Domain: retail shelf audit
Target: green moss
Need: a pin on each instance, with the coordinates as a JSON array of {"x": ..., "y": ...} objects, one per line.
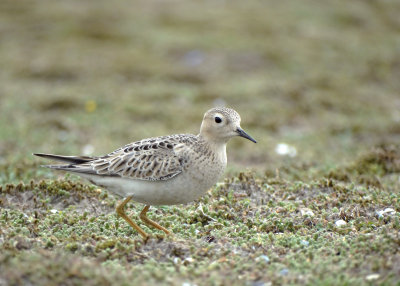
[{"x": 322, "y": 78}]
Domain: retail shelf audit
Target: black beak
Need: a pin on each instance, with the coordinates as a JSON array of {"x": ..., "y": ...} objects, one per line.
[{"x": 243, "y": 134}]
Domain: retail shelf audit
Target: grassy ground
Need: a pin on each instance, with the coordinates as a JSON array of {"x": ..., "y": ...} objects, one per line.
[{"x": 87, "y": 77}]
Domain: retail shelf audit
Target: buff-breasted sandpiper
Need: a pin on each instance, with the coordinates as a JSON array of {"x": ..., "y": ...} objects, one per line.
[{"x": 164, "y": 170}]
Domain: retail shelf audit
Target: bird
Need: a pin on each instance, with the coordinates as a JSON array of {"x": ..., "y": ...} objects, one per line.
[{"x": 165, "y": 170}]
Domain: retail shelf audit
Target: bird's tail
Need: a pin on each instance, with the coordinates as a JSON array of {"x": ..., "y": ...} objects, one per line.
[{"x": 67, "y": 159}]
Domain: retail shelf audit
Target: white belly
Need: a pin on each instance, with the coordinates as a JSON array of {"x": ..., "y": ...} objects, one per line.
[{"x": 178, "y": 190}]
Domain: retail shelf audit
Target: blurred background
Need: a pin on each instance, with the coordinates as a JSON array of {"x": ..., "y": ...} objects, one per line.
[{"x": 316, "y": 82}]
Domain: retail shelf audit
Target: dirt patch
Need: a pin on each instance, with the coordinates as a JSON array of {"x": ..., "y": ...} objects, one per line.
[{"x": 55, "y": 195}]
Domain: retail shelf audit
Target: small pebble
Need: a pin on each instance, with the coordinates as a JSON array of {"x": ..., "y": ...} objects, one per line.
[
  {"x": 306, "y": 211},
  {"x": 285, "y": 150},
  {"x": 372, "y": 277},
  {"x": 304, "y": 242},
  {"x": 340, "y": 222},
  {"x": 176, "y": 260},
  {"x": 187, "y": 261},
  {"x": 387, "y": 211},
  {"x": 265, "y": 258}
]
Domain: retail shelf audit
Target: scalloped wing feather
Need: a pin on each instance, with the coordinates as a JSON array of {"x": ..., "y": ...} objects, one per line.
[{"x": 151, "y": 159}]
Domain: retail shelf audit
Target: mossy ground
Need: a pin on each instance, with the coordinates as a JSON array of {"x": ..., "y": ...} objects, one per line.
[{"x": 322, "y": 77}]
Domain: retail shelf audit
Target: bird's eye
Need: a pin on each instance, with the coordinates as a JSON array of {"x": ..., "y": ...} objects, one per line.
[{"x": 218, "y": 119}]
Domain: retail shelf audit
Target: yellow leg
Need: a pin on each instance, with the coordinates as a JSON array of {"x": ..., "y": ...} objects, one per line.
[
  {"x": 148, "y": 221},
  {"x": 121, "y": 213}
]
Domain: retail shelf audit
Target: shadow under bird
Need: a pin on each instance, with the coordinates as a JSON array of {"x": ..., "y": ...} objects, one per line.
[{"x": 164, "y": 170}]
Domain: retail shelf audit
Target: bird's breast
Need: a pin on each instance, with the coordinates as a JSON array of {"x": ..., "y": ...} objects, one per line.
[{"x": 206, "y": 170}]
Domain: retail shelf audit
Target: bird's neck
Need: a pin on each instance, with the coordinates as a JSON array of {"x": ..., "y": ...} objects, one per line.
[
  {"x": 217, "y": 147},
  {"x": 220, "y": 150}
]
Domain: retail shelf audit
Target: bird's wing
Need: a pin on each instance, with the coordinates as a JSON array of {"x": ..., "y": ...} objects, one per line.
[{"x": 153, "y": 159}]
